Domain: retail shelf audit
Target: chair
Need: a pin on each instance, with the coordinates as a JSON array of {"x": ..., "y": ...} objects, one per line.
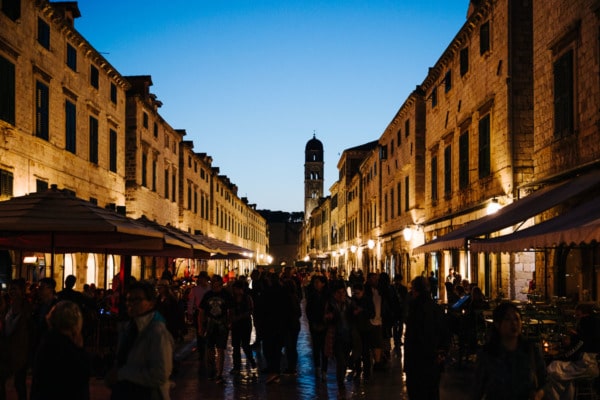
[{"x": 585, "y": 389}]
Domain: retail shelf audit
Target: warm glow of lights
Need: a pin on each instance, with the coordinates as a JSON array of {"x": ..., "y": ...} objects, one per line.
[
  {"x": 493, "y": 207},
  {"x": 306, "y": 258},
  {"x": 30, "y": 260},
  {"x": 371, "y": 243},
  {"x": 353, "y": 248},
  {"x": 407, "y": 233}
]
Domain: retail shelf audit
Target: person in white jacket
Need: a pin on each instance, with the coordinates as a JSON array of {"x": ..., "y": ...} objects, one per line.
[{"x": 144, "y": 359}]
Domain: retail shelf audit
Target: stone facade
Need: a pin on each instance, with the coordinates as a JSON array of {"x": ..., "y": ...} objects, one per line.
[
  {"x": 33, "y": 147},
  {"x": 69, "y": 118},
  {"x": 510, "y": 106}
]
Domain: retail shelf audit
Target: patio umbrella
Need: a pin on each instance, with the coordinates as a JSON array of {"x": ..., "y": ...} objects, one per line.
[
  {"x": 56, "y": 221},
  {"x": 196, "y": 249}
]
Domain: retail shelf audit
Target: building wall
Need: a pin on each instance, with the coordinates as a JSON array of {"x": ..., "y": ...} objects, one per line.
[
  {"x": 561, "y": 27},
  {"x": 151, "y": 139},
  {"x": 125, "y": 110},
  {"x": 30, "y": 158}
]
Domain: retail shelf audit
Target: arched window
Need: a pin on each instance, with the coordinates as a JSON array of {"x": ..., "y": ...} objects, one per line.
[{"x": 91, "y": 269}]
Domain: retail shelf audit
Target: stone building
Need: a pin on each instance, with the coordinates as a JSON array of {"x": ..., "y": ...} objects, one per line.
[
  {"x": 402, "y": 180},
  {"x": 566, "y": 116},
  {"x": 69, "y": 118},
  {"x": 479, "y": 130},
  {"x": 62, "y": 115},
  {"x": 508, "y": 119},
  {"x": 152, "y": 154}
]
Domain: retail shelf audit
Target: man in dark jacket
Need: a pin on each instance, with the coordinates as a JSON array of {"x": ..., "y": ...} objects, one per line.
[{"x": 426, "y": 342}]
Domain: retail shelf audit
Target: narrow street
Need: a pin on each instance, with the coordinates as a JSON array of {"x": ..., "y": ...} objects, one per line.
[{"x": 383, "y": 385}]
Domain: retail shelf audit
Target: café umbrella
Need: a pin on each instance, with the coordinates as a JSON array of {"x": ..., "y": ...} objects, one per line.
[{"x": 55, "y": 221}]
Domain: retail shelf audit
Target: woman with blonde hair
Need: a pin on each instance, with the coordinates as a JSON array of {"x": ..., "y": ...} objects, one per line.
[{"x": 61, "y": 368}]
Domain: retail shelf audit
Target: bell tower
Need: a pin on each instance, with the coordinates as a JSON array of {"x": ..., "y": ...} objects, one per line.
[{"x": 313, "y": 175}]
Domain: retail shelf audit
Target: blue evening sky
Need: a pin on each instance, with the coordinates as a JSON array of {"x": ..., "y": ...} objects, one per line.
[{"x": 250, "y": 81}]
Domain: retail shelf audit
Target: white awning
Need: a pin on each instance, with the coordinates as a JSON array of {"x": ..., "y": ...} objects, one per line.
[
  {"x": 513, "y": 213},
  {"x": 580, "y": 225}
]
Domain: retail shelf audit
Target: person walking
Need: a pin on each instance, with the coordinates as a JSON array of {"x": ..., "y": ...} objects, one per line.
[
  {"x": 292, "y": 315},
  {"x": 426, "y": 342},
  {"x": 372, "y": 290},
  {"x": 196, "y": 294},
  {"x": 317, "y": 296},
  {"x": 168, "y": 306},
  {"x": 400, "y": 293},
  {"x": 361, "y": 312},
  {"x": 241, "y": 326},
  {"x": 338, "y": 316},
  {"x": 214, "y": 319},
  {"x": 144, "y": 359},
  {"x": 272, "y": 303},
  {"x": 61, "y": 368}
]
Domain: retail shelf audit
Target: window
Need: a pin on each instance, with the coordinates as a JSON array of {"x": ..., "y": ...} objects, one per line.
[
  {"x": 563, "y": 95},
  {"x": 93, "y": 140},
  {"x": 7, "y": 88},
  {"x": 464, "y": 61},
  {"x": 12, "y": 9},
  {"x": 407, "y": 128},
  {"x": 145, "y": 120},
  {"x": 434, "y": 99},
  {"x": 383, "y": 152},
  {"x": 463, "y": 160},
  {"x": 71, "y": 57},
  {"x": 145, "y": 169},
  {"x": 166, "y": 183},
  {"x": 448, "y": 81},
  {"x": 154, "y": 173},
  {"x": 41, "y": 110},
  {"x": 6, "y": 183},
  {"x": 484, "y": 147},
  {"x": 434, "y": 179},
  {"x": 70, "y": 127},
  {"x": 398, "y": 137},
  {"x": 41, "y": 186},
  {"x": 406, "y": 195},
  {"x": 189, "y": 195},
  {"x": 173, "y": 186},
  {"x": 43, "y": 34},
  {"x": 155, "y": 130},
  {"x": 448, "y": 171},
  {"x": 385, "y": 207},
  {"x": 112, "y": 150},
  {"x": 113, "y": 93},
  {"x": 399, "y": 191},
  {"x": 392, "y": 202},
  {"x": 484, "y": 38},
  {"x": 94, "y": 76}
]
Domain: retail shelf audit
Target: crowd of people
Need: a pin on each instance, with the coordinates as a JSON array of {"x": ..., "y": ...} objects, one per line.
[{"x": 357, "y": 324}]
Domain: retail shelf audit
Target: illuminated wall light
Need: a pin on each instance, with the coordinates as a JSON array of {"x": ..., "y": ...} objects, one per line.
[{"x": 493, "y": 206}]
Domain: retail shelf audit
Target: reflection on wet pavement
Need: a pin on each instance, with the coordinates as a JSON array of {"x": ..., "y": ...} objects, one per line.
[{"x": 250, "y": 383}]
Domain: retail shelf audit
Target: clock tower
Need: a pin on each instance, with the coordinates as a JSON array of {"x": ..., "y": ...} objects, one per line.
[{"x": 313, "y": 175}]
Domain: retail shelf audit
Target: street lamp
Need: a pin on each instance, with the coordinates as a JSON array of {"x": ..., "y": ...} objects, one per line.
[{"x": 407, "y": 232}]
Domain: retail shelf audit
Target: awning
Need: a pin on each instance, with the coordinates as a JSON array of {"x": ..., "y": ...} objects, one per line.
[
  {"x": 223, "y": 249},
  {"x": 513, "y": 213},
  {"x": 581, "y": 225}
]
